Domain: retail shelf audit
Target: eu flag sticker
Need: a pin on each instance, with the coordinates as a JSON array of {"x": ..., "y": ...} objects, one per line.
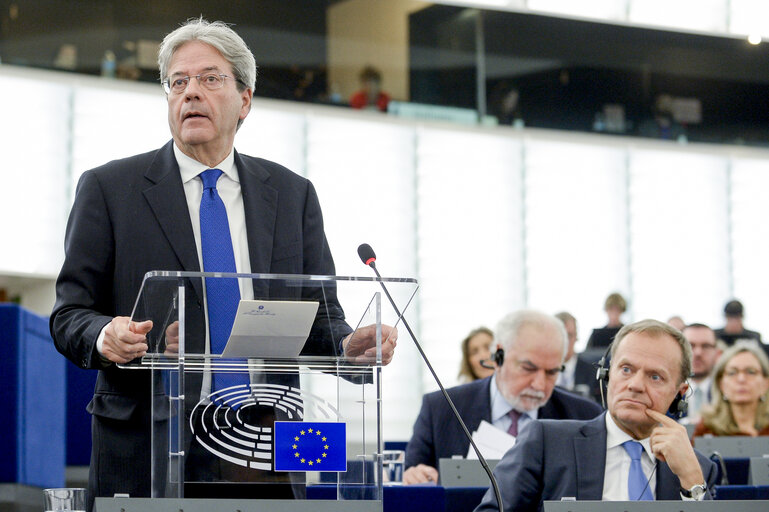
[{"x": 310, "y": 446}]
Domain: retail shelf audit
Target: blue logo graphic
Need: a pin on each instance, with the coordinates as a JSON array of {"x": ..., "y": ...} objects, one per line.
[{"x": 310, "y": 446}]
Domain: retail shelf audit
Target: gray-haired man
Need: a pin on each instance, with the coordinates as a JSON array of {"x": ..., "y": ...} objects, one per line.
[{"x": 141, "y": 213}]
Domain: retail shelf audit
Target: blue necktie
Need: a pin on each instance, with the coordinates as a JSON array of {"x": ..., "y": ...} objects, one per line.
[
  {"x": 637, "y": 486},
  {"x": 223, "y": 294}
]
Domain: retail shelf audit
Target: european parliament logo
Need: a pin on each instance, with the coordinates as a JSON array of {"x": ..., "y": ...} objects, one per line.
[{"x": 310, "y": 446}]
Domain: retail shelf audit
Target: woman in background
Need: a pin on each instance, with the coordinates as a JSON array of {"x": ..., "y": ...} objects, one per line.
[
  {"x": 614, "y": 306},
  {"x": 739, "y": 406},
  {"x": 476, "y": 347}
]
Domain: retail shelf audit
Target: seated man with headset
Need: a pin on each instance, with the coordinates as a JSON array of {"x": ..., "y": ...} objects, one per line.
[
  {"x": 530, "y": 353},
  {"x": 633, "y": 452}
]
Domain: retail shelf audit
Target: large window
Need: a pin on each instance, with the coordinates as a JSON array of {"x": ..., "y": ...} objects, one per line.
[{"x": 654, "y": 68}]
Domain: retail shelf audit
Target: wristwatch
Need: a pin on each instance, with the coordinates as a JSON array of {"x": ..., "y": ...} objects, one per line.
[{"x": 696, "y": 492}]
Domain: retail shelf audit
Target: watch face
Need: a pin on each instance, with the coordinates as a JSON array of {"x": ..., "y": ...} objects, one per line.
[{"x": 697, "y": 492}]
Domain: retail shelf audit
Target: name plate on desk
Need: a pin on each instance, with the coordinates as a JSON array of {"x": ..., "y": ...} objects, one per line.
[
  {"x": 464, "y": 472},
  {"x": 657, "y": 506},
  {"x": 733, "y": 446}
]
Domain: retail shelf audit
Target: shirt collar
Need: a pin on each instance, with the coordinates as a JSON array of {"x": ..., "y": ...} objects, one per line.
[
  {"x": 190, "y": 168},
  {"x": 500, "y": 406},
  {"x": 615, "y": 436}
]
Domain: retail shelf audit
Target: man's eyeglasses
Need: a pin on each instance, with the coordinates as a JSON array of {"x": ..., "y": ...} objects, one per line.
[{"x": 210, "y": 81}]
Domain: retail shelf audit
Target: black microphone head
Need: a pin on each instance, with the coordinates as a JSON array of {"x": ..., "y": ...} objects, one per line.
[{"x": 366, "y": 254}]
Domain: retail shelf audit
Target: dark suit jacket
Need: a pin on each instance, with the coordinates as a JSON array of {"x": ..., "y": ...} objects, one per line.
[
  {"x": 730, "y": 339},
  {"x": 602, "y": 337},
  {"x": 437, "y": 434},
  {"x": 556, "y": 459},
  {"x": 129, "y": 217}
]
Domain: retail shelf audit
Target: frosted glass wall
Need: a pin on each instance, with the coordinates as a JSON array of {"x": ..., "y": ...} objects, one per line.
[{"x": 489, "y": 220}]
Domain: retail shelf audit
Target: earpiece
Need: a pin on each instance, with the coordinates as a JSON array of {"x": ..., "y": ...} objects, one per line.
[
  {"x": 602, "y": 368},
  {"x": 602, "y": 373},
  {"x": 499, "y": 356},
  {"x": 678, "y": 407}
]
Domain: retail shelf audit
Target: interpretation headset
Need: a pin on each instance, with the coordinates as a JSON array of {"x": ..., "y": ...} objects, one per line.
[
  {"x": 497, "y": 357},
  {"x": 678, "y": 407}
]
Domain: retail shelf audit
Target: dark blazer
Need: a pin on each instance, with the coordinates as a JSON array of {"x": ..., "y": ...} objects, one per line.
[
  {"x": 438, "y": 435},
  {"x": 129, "y": 217},
  {"x": 556, "y": 459}
]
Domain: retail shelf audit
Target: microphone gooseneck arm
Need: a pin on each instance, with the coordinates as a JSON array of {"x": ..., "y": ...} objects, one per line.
[{"x": 368, "y": 257}]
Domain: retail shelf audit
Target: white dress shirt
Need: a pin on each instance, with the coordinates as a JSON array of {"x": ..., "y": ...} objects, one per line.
[
  {"x": 618, "y": 463},
  {"x": 228, "y": 187},
  {"x": 500, "y": 408}
]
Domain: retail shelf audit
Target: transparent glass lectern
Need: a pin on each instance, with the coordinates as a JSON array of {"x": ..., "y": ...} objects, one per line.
[{"x": 294, "y": 418}]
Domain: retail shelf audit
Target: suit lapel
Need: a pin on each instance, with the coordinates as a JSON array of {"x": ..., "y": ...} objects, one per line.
[
  {"x": 480, "y": 407},
  {"x": 168, "y": 202},
  {"x": 260, "y": 202},
  {"x": 591, "y": 442}
]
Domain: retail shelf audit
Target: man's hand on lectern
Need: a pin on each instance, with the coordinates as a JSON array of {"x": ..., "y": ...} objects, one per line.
[
  {"x": 360, "y": 346},
  {"x": 125, "y": 340}
]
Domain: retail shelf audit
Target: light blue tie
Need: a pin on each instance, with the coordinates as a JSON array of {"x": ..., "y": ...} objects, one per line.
[
  {"x": 637, "y": 486},
  {"x": 223, "y": 294}
]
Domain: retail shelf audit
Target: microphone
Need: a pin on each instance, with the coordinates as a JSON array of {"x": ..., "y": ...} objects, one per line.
[
  {"x": 485, "y": 364},
  {"x": 368, "y": 257}
]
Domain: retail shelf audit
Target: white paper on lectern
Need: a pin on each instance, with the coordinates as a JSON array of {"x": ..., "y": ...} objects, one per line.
[
  {"x": 270, "y": 328},
  {"x": 491, "y": 441}
]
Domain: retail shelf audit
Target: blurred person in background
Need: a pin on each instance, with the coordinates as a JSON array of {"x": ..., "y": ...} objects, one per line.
[
  {"x": 370, "y": 96},
  {"x": 614, "y": 306},
  {"x": 705, "y": 354},
  {"x": 566, "y": 378},
  {"x": 677, "y": 322},
  {"x": 734, "y": 329},
  {"x": 476, "y": 349},
  {"x": 740, "y": 384}
]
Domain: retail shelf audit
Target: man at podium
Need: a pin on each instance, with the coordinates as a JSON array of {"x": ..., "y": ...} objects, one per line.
[
  {"x": 195, "y": 204},
  {"x": 632, "y": 452}
]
